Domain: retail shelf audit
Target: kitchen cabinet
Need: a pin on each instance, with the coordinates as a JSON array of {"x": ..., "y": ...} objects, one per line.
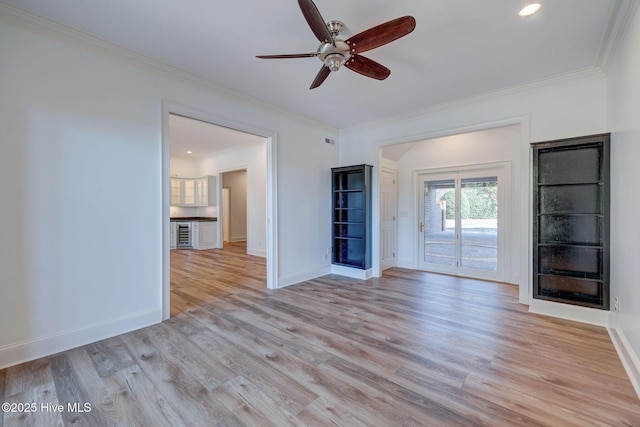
[
  {"x": 176, "y": 191},
  {"x": 571, "y": 221},
  {"x": 193, "y": 192},
  {"x": 351, "y": 220},
  {"x": 203, "y": 234}
]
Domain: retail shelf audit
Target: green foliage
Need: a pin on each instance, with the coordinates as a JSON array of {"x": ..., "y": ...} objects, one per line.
[{"x": 478, "y": 201}]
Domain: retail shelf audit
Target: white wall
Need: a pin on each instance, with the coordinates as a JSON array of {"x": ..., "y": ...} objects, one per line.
[
  {"x": 624, "y": 122},
  {"x": 253, "y": 159},
  {"x": 558, "y": 109},
  {"x": 488, "y": 146},
  {"x": 183, "y": 167},
  {"x": 81, "y": 229}
]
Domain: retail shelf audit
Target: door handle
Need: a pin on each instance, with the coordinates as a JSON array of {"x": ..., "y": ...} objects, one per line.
[{"x": 421, "y": 227}]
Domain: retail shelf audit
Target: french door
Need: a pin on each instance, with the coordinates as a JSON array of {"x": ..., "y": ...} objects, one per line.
[{"x": 461, "y": 223}]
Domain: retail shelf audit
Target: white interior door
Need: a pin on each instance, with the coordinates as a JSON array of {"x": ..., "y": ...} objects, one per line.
[
  {"x": 461, "y": 223},
  {"x": 388, "y": 213}
]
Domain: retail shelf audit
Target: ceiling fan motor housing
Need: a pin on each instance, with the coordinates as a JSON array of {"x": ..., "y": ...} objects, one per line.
[{"x": 334, "y": 56}]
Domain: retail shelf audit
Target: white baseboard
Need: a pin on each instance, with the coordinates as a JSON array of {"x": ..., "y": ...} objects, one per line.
[
  {"x": 628, "y": 357},
  {"x": 301, "y": 277},
  {"x": 25, "y": 351},
  {"x": 257, "y": 252},
  {"x": 406, "y": 263},
  {"x": 205, "y": 247},
  {"x": 576, "y": 313},
  {"x": 354, "y": 273}
]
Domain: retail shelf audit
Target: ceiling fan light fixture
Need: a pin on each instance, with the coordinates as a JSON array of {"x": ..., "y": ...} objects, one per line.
[
  {"x": 334, "y": 61},
  {"x": 530, "y": 9}
]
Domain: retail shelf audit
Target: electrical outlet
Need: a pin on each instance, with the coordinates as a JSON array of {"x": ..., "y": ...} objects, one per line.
[{"x": 616, "y": 305}]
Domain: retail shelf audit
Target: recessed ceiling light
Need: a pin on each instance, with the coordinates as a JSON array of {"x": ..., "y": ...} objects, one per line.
[
  {"x": 189, "y": 152},
  {"x": 530, "y": 9}
]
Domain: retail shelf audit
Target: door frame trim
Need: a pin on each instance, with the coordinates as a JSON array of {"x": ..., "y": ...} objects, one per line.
[{"x": 271, "y": 183}]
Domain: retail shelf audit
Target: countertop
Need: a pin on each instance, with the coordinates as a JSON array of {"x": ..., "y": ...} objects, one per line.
[{"x": 193, "y": 218}]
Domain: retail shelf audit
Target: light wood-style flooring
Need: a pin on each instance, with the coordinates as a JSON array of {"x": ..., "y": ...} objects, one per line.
[{"x": 408, "y": 349}]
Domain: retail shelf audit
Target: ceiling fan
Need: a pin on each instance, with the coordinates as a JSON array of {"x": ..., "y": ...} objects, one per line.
[{"x": 335, "y": 52}]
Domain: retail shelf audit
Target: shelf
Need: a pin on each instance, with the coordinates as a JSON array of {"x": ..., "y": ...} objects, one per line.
[
  {"x": 571, "y": 274},
  {"x": 557, "y": 157},
  {"x": 582, "y": 230},
  {"x": 564, "y": 284},
  {"x": 569, "y": 184},
  {"x": 564, "y": 214},
  {"x": 574, "y": 298},
  {"x": 570, "y": 245},
  {"x": 577, "y": 198}
]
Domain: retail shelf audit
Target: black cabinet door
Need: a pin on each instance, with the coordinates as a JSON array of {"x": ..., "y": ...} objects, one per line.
[{"x": 571, "y": 221}]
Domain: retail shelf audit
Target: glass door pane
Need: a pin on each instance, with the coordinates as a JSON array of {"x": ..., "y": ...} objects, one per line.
[
  {"x": 479, "y": 223},
  {"x": 176, "y": 191},
  {"x": 189, "y": 192},
  {"x": 438, "y": 224}
]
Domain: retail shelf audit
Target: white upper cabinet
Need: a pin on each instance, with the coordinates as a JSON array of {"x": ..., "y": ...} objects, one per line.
[
  {"x": 189, "y": 192},
  {"x": 193, "y": 192},
  {"x": 176, "y": 191}
]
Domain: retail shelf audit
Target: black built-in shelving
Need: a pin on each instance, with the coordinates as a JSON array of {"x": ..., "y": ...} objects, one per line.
[
  {"x": 351, "y": 207},
  {"x": 571, "y": 221}
]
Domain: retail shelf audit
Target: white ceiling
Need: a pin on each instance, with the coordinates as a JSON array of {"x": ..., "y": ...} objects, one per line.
[
  {"x": 459, "y": 49},
  {"x": 195, "y": 139}
]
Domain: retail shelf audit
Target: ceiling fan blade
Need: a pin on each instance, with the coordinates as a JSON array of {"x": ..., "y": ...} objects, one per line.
[
  {"x": 367, "y": 67},
  {"x": 288, "y": 55},
  {"x": 315, "y": 21},
  {"x": 381, "y": 34},
  {"x": 320, "y": 77}
]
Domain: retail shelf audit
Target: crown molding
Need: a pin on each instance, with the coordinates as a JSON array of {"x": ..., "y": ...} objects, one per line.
[
  {"x": 43, "y": 23},
  {"x": 561, "y": 80},
  {"x": 621, "y": 16}
]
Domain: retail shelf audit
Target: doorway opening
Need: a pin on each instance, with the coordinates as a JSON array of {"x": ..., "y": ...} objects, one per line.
[
  {"x": 194, "y": 145},
  {"x": 492, "y": 145},
  {"x": 234, "y": 207}
]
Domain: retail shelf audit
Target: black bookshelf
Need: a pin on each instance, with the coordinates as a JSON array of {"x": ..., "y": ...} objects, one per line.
[
  {"x": 351, "y": 209},
  {"x": 571, "y": 221}
]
